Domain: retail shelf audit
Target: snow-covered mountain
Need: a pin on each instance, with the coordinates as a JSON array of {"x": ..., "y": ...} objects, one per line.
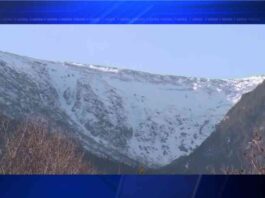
[{"x": 133, "y": 117}]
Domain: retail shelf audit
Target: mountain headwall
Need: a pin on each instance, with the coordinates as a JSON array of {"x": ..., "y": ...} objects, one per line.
[{"x": 133, "y": 117}]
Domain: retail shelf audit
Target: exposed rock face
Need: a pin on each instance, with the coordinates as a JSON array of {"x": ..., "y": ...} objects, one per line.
[
  {"x": 226, "y": 147},
  {"x": 133, "y": 117}
]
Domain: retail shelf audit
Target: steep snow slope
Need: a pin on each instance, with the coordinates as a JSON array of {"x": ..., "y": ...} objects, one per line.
[{"x": 130, "y": 116}]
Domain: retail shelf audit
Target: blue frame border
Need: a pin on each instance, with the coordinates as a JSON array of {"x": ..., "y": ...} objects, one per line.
[{"x": 132, "y": 12}]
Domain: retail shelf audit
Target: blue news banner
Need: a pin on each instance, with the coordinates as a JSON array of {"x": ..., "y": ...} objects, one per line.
[{"x": 132, "y": 12}]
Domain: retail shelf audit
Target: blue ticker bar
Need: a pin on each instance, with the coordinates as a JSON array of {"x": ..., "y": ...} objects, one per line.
[{"x": 132, "y": 12}]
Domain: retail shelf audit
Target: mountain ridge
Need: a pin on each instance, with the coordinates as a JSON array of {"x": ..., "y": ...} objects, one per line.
[
  {"x": 120, "y": 69},
  {"x": 134, "y": 117}
]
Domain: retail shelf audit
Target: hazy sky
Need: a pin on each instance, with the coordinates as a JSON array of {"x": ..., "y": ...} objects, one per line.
[{"x": 214, "y": 51}]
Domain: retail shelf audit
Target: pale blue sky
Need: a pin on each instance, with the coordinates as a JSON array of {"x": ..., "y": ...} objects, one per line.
[{"x": 214, "y": 51}]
